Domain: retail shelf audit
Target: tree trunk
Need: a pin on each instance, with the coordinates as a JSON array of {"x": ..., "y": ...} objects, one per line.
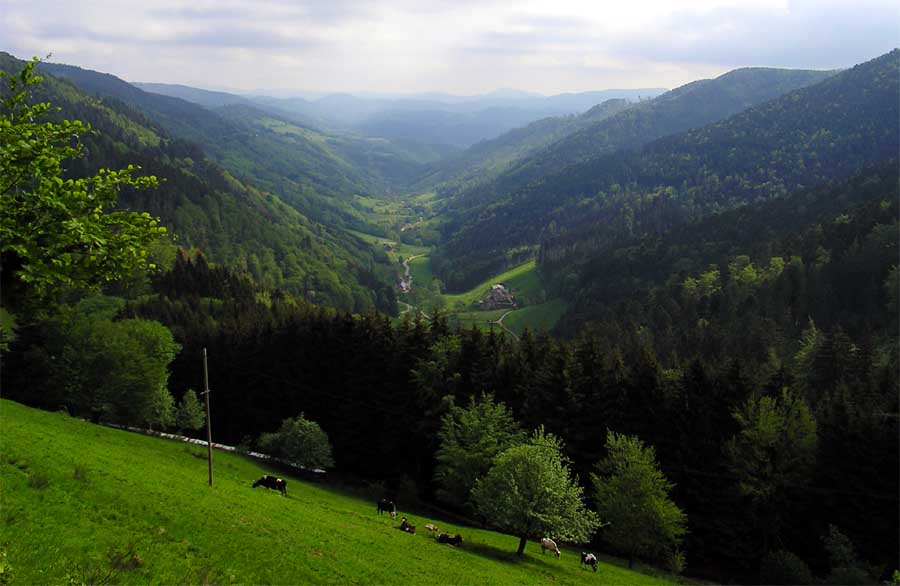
[{"x": 522, "y": 541}]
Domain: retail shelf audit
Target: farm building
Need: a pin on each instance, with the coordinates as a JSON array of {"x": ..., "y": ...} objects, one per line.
[{"x": 498, "y": 297}]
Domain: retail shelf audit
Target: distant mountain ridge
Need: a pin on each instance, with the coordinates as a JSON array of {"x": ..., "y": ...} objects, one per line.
[
  {"x": 690, "y": 106},
  {"x": 804, "y": 137},
  {"x": 484, "y": 161},
  {"x": 429, "y": 118}
]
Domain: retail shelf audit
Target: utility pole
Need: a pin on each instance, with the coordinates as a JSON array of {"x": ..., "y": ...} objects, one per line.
[{"x": 208, "y": 425}]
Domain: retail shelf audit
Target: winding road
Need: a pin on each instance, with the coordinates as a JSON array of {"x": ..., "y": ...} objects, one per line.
[
  {"x": 499, "y": 322},
  {"x": 407, "y": 287}
]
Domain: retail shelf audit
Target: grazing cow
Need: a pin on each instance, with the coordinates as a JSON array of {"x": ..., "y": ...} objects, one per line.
[
  {"x": 547, "y": 543},
  {"x": 405, "y": 526},
  {"x": 431, "y": 527},
  {"x": 272, "y": 482},
  {"x": 589, "y": 559},
  {"x": 455, "y": 541},
  {"x": 389, "y": 506}
]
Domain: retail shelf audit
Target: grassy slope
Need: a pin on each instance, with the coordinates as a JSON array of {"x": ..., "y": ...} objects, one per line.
[
  {"x": 73, "y": 492},
  {"x": 523, "y": 280},
  {"x": 420, "y": 271}
]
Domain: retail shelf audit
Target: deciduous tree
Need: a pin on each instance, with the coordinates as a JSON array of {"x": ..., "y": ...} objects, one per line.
[
  {"x": 470, "y": 440},
  {"x": 530, "y": 492},
  {"x": 632, "y": 494},
  {"x": 56, "y": 231},
  {"x": 190, "y": 414},
  {"x": 299, "y": 441}
]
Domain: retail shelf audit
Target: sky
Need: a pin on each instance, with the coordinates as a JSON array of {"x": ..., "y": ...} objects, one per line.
[{"x": 455, "y": 46}]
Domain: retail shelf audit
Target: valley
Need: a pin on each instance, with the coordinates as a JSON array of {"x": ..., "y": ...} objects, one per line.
[{"x": 657, "y": 325}]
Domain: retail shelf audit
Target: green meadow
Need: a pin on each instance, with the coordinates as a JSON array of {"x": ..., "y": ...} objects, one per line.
[
  {"x": 85, "y": 504},
  {"x": 420, "y": 271},
  {"x": 523, "y": 280},
  {"x": 534, "y": 313}
]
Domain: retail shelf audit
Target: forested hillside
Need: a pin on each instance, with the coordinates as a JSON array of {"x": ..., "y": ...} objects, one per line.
[
  {"x": 207, "y": 208},
  {"x": 483, "y": 161},
  {"x": 803, "y": 138},
  {"x": 380, "y": 389},
  {"x": 312, "y": 172},
  {"x": 693, "y": 105}
]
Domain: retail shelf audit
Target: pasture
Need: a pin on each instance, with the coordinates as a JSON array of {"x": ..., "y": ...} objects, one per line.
[
  {"x": 522, "y": 279},
  {"x": 82, "y": 502}
]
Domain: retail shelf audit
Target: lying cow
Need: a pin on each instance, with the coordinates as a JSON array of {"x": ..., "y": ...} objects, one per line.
[
  {"x": 272, "y": 482},
  {"x": 455, "y": 541},
  {"x": 405, "y": 526},
  {"x": 385, "y": 505},
  {"x": 589, "y": 559},
  {"x": 432, "y": 528},
  {"x": 547, "y": 543}
]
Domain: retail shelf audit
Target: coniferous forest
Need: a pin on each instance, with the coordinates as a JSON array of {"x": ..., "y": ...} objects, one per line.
[{"x": 726, "y": 255}]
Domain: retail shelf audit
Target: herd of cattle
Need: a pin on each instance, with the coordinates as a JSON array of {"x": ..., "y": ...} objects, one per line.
[{"x": 388, "y": 506}]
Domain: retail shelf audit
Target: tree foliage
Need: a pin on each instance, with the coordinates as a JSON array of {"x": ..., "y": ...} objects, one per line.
[
  {"x": 190, "y": 414},
  {"x": 470, "y": 439},
  {"x": 632, "y": 495},
  {"x": 775, "y": 446},
  {"x": 117, "y": 371},
  {"x": 773, "y": 451},
  {"x": 299, "y": 441},
  {"x": 56, "y": 231},
  {"x": 530, "y": 492}
]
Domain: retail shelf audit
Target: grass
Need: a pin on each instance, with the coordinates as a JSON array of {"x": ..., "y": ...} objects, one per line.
[
  {"x": 536, "y": 317},
  {"x": 399, "y": 248},
  {"x": 523, "y": 280},
  {"x": 88, "y": 504},
  {"x": 420, "y": 271}
]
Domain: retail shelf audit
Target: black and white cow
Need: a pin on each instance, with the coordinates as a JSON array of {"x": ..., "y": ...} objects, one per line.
[
  {"x": 455, "y": 541},
  {"x": 272, "y": 482},
  {"x": 385, "y": 505},
  {"x": 589, "y": 559}
]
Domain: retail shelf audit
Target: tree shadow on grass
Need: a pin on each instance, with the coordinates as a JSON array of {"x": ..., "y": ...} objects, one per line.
[{"x": 503, "y": 555}]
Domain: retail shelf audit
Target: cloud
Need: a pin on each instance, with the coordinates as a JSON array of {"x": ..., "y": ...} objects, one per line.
[
  {"x": 818, "y": 34},
  {"x": 462, "y": 46}
]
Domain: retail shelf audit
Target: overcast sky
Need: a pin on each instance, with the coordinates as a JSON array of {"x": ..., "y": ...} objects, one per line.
[{"x": 456, "y": 46}]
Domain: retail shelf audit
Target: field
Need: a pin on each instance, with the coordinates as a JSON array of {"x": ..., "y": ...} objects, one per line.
[
  {"x": 536, "y": 317},
  {"x": 525, "y": 283},
  {"x": 398, "y": 248},
  {"x": 523, "y": 280},
  {"x": 88, "y": 504},
  {"x": 420, "y": 271}
]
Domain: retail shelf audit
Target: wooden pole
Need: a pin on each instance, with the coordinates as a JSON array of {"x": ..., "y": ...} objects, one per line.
[{"x": 208, "y": 424}]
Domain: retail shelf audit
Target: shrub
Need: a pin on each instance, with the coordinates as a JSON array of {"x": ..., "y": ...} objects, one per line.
[
  {"x": 299, "y": 441},
  {"x": 191, "y": 414},
  {"x": 784, "y": 567},
  {"x": 676, "y": 562},
  {"x": 846, "y": 568}
]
